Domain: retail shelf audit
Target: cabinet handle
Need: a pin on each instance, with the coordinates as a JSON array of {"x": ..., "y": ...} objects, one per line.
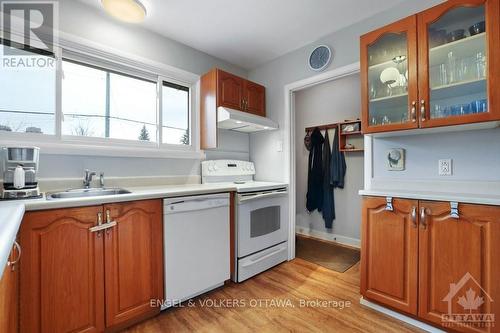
[
  {"x": 422, "y": 109},
  {"x": 108, "y": 221},
  {"x": 13, "y": 263},
  {"x": 100, "y": 226},
  {"x": 414, "y": 216},
  {"x": 413, "y": 111},
  {"x": 454, "y": 210},
  {"x": 99, "y": 223},
  {"x": 423, "y": 217}
]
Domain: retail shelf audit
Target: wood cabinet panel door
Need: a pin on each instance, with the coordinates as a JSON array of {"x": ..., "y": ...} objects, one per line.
[
  {"x": 229, "y": 90},
  {"x": 133, "y": 260},
  {"x": 457, "y": 79},
  {"x": 62, "y": 276},
  {"x": 389, "y": 86},
  {"x": 255, "y": 98},
  {"x": 459, "y": 270},
  {"x": 9, "y": 296},
  {"x": 494, "y": 28},
  {"x": 389, "y": 253}
]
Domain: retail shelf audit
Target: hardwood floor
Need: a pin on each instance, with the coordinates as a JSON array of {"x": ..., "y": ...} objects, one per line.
[{"x": 288, "y": 283}]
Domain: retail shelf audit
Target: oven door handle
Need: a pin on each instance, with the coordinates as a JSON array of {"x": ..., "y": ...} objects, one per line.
[
  {"x": 264, "y": 257},
  {"x": 242, "y": 198}
]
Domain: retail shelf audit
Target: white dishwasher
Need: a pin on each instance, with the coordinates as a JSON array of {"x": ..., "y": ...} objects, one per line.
[{"x": 196, "y": 245}]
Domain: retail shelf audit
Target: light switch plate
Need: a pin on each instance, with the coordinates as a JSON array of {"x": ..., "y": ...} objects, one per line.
[
  {"x": 445, "y": 167},
  {"x": 279, "y": 146}
]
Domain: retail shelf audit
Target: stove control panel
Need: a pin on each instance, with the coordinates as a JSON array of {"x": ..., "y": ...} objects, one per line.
[{"x": 227, "y": 168}]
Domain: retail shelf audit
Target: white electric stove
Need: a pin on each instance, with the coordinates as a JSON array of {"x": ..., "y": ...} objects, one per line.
[{"x": 261, "y": 216}]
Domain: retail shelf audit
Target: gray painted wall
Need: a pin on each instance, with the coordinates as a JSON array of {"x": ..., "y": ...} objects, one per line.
[
  {"x": 293, "y": 67},
  {"x": 94, "y": 25},
  {"x": 475, "y": 154},
  {"x": 233, "y": 145},
  {"x": 322, "y": 104}
]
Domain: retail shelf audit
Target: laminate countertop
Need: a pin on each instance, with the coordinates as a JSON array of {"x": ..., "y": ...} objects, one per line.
[
  {"x": 12, "y": 212},
  {"x": 481, "y": 199},
  {"x": 11, "y": 215}
]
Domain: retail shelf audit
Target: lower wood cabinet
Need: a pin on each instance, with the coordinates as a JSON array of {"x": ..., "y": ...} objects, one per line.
[
  {"x": 459, "y": 263},
  {"x": 450, "y": 259},
  {"x": 77, "y": 278},
  {"x": 9, "y": 294},
  {"x": 389, "y": 253},
  {"x": 133, "y": 261}
]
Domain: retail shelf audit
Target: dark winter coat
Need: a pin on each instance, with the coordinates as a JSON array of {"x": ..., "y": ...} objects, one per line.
[
  {"x": 338, "y": 165},
  {"x": 315, "y": 173},
  {"x": 328, "y": 210}
]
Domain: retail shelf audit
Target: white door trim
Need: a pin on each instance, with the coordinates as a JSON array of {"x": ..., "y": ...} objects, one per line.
[{"x": 290, "y": 139}]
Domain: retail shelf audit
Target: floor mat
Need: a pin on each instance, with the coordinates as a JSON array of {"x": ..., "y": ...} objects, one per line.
[{"x": 327, "y": 254}]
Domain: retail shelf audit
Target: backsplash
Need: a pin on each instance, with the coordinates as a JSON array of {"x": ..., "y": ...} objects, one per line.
[
  {"x": 475, "y": 155},
  {"x": 232, "y": 145}
]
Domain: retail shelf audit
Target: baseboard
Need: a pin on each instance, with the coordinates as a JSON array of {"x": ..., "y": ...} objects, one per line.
[
  {"x": 328, "y": 237},
  {"x": 399, "y": 316}
]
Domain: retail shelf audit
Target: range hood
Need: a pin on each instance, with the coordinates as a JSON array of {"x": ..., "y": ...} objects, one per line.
[{"x": 242, "y": 121}]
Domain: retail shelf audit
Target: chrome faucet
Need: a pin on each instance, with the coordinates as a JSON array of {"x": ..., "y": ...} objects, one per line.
[
  {"x": 87, "y": 178},
  {"x": 101, "y": 179}
]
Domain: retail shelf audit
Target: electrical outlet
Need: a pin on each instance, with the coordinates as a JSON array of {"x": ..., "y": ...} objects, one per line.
[{"x": 445, "y": 167}]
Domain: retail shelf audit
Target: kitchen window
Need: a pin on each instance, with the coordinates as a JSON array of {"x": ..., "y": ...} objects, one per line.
[
  {"x": 95, "y": 102},
  {"x": 175, "y": 114},
  {"x": 27, "y": 91},
  {"x": 101, "y": 103}
]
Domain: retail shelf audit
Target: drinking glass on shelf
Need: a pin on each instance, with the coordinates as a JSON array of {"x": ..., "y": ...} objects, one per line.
[
  {"x": 451, "y": 67},
  {"x": 437, "y": 112},
  {"x": 463, "y": 69},
  {"x": 480, "y": 65},
  {"x": 483, "y": 105},
  {"x": 443, "y": 75},
  {"x": 373, "y": 90}
]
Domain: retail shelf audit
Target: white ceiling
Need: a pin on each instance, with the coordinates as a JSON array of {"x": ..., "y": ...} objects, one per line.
[{"x": 251, "y": 32}]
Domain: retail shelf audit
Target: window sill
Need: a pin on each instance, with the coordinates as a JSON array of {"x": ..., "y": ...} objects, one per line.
[{"x": 83, "y": 149}]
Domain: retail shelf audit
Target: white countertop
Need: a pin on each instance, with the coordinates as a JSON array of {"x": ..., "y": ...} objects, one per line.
[
  {"x": 11, "y": 215},
  {"x": 138, "y": 193},
  {"x": 12, "y": 212},
  {"x": 483, "y": 199}
]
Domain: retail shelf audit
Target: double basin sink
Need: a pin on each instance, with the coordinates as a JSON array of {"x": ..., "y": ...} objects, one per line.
[{"x": 86, "y": 192}]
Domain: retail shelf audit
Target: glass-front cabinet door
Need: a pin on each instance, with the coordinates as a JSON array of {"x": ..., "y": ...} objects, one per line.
[
  {"x": 389, "y": 77},
  {"x": 455, "y": 51}
]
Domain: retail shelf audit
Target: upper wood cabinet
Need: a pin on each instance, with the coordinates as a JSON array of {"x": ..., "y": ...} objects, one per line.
[
  {"x": 389, "y": 55},
  {"x": 77, "y": 278},
  {"x": 458, "y": 263},
  {"x": 219, "y": 88},
  {"x": 437, "y": 68},
  {"x": 133, "y": 260},
  {"x": 390, "y": 234},
  {"x": 450, "y": 256},
  {"x": 229, "y": 90},
  {"x": 255, "y": 98}
]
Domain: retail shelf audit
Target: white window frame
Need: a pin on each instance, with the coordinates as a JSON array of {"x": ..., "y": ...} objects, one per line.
[{"x": 86, "y": 52}]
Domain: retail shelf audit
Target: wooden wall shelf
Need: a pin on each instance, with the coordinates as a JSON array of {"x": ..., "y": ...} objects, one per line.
[{"x": 343, "y": 136}]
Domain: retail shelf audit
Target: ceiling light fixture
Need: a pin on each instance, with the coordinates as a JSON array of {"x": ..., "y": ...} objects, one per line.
[{"x": 132, "y": 11}]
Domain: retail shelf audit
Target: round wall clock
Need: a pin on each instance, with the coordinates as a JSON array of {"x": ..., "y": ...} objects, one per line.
[{"x": 320, "y": 58}]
